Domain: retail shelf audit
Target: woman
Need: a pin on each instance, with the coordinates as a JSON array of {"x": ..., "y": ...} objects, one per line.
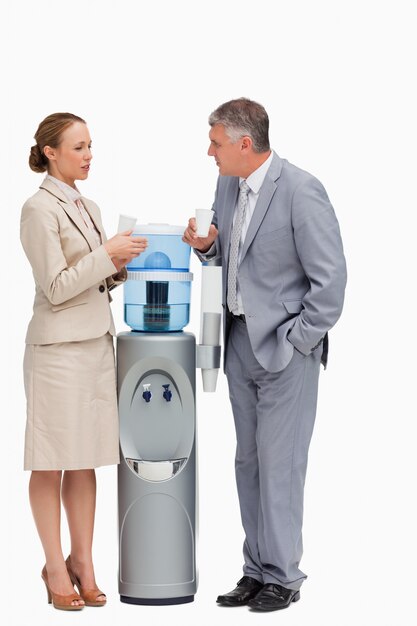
[{"x": 72, "y": 422}]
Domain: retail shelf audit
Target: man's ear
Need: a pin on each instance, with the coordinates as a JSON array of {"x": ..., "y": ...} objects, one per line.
[{"x": 246, "y": 143}]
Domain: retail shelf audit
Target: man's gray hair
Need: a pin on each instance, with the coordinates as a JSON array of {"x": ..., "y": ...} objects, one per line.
[{"x": 243, "y": 117}]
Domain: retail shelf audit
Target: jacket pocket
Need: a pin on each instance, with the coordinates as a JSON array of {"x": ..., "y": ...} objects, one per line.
[
  {"x": 82, "y": 298},
  {"x": 293, "y": 306},
  {"x": 274, "y": 235}
]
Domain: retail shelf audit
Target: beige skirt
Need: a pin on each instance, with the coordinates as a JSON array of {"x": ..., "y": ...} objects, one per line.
[{"x": 72, "y": 420}]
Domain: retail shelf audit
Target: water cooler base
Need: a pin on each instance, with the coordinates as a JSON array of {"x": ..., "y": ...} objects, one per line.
[
  {"x": 157, "y": 472},
  {"x": 157, "y": 601}
]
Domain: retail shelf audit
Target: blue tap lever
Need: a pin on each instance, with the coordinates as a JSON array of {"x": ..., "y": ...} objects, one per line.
[
  {"x": 147, "y": 395},
  {"x": 167, "y": 393}
]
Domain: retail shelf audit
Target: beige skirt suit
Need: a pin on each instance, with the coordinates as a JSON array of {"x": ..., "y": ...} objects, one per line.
[{"x": 69, "y": 367}]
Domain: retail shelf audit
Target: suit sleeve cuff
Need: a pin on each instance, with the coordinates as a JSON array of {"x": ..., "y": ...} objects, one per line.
[
  {"x": 208, "y": 255},
  {"x": 112, "y": 268},
  {"x": 115, "y": 280},
  {"x": 298, "y": 346}
]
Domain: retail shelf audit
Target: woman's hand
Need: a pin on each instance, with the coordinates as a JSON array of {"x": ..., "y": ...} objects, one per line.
[
  {"x": 122, "y": 248},
  {"x": 202, "y": 244},
  {"x": 119, "y": 263}
]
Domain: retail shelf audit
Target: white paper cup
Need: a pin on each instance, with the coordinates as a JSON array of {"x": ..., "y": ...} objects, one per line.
[
  {"x": 203, "y": 219},
  {"x": 126, "y": 223}
]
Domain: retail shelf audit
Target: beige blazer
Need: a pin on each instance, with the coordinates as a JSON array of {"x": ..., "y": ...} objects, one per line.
[{"x": 72, "y": 275}]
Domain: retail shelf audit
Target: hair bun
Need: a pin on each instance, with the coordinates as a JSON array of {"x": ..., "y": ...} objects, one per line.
[{"x": 37, "y": 160}]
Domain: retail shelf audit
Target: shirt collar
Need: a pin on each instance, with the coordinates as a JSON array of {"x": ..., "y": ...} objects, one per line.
[
  {"x": 257, "y": 177},
  {"x": 71, "y": 193}
]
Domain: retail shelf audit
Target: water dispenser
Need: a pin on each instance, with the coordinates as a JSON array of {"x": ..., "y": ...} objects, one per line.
[{"x": 156, "y": 363}]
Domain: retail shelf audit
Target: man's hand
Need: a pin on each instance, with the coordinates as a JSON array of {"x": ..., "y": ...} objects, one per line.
[{"x": 202, "y": 244}]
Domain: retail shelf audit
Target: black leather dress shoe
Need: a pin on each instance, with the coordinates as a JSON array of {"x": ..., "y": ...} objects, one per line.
[
  {"x": 274, "y": 597},
  {"x": 246, "y": 589}
]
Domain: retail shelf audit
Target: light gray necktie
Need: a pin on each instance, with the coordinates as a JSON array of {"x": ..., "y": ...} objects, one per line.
[{"x": 234, "y": 247}]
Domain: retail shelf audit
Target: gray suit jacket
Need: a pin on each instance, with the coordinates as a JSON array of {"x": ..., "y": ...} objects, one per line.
[{"x": 292, "y": 273}]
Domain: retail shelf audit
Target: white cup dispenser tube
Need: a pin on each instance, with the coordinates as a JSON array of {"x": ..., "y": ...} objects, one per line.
[{"x": 208, "y": 351}]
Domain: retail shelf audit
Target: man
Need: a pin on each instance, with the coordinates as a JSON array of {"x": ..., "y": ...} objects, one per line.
[{"x": 284, "y": 277}]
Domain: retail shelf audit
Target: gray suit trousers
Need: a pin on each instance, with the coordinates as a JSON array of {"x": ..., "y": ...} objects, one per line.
[{"x": 274, "y": 416}]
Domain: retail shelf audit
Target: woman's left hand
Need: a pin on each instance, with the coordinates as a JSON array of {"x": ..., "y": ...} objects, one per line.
[{"x": 119, "y": 263}]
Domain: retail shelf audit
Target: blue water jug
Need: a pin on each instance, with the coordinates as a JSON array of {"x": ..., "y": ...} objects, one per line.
[{"x": 158, "y": 287}]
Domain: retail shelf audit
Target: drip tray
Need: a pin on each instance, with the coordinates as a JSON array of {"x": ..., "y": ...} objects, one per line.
[{"x": 156, "y": 470}]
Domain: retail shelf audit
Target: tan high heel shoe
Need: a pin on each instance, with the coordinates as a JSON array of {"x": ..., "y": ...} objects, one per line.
[
  {"x": 64, "y": 603},
  {"x": 90, "y": 596}
]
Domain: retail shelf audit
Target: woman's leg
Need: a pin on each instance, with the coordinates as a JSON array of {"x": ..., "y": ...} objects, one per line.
[
  {"x": 45, "y": 500},
  {"x": 79, "y": 499}
]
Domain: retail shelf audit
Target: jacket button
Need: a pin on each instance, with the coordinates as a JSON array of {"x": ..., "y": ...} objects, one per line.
[{"x": 101, "y": 288}]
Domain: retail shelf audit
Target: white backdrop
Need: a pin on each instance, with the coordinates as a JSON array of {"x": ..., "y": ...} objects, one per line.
[{"x": 336, "y": 79}]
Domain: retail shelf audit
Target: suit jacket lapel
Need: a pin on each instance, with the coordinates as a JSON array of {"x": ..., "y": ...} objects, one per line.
[
  {"x": 265, "y": 196},
  {"x": 72, "y": 211},
  {"x": 95, "y": 216}
]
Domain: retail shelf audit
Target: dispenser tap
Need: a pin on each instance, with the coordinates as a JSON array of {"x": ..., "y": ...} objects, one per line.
[
  {"x": 147, "y": 395},
  {"x": 167, "y": 393}
]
